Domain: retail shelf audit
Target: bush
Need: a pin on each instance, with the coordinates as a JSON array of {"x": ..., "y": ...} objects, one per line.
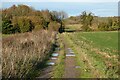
[
  {"x": 7, "y": 28},
  {"x": 22, "y": 52},
  {"x": 115, "y": 27},
  {"x": 103, "y": 26},
  {"x": 38, "y": 22},
  {"x": 25, "y": 24},
  {"x": 110, "y": 25}
]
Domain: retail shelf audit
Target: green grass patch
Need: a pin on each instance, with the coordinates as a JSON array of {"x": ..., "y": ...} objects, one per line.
[{"x": 101, "y": 39}]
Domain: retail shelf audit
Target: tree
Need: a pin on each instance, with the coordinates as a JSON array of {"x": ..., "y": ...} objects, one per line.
[
  {"x": 7, "y": 28},
  {"x": 110, "y": 22},
  {"x": 15, "y": 25},
  {"x": 23, "y": 10},
  {"x": 24, "y": 24},
  {"x": 103, "y": 26},
  {"x": 116, "y": 25},
  {"x": 38, "y": 22},
  {"x": 59, "y": 16},
  {"x": 86, "y": 20},
  {"x": 24, "y": 18},
  {"x": 46, "y": 15},
  {"x": 110, "y": 25}
]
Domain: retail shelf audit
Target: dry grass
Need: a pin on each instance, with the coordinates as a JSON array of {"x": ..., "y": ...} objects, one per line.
[
  {"x": 21, "y": 52},
  {"x": 73, "y": 26}
]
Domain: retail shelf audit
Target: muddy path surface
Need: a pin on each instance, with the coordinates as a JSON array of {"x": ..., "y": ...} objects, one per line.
[
  {"x": 70, "y": 63},
  {"x": 70, "y": 71}
]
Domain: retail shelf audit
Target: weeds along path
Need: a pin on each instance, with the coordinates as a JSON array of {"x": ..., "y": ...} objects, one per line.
[
  {"x": 55, "y": 64},
  {"x": 47, "y": 71},
  {"x": 21, "y": 53},
  {"x": 70, "y": 70}
]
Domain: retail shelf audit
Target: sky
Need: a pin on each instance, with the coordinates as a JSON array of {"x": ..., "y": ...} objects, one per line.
[
  {"x": 99, "y": 8},
  {"x": 59, "y": 0}
]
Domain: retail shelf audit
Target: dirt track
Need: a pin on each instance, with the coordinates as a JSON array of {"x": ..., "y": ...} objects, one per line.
[
  {"x": 70, "y": 71},
  {"x": 70, "y": 63}
]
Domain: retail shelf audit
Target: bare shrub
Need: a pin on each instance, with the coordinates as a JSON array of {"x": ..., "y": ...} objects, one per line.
[{"x": 21, "y": 52}]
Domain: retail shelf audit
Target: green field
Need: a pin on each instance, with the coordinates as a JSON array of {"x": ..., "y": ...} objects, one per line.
[
  {"x": 103, "y": 40},
  {"x": 97, "y": 53}
]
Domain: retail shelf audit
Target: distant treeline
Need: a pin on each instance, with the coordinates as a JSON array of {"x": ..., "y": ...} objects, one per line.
[
  {"x": 22, "y": 18},
  {"x": 91, "y": 22}
]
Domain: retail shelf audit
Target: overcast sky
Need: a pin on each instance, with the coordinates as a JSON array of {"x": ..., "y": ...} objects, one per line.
[{"x": 73, "y": 7}]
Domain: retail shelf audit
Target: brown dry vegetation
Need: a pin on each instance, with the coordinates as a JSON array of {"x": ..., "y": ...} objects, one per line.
[{"x": 22, "y": 52}]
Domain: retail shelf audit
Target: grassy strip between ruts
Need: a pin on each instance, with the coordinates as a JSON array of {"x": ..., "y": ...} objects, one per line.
[
  {"x": 59, "y": 67},
  {"x": 78, "y": 58}
]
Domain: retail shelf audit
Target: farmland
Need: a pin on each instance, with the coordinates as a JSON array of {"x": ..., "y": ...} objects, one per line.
[{"x": 96, "y": 53}]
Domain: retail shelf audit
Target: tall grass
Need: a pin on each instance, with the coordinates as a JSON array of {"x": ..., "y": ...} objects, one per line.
[{"x": 22, "y": 52}]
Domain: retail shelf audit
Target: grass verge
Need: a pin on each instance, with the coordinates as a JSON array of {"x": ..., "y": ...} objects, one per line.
[{"x": 59, "y": 67}]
